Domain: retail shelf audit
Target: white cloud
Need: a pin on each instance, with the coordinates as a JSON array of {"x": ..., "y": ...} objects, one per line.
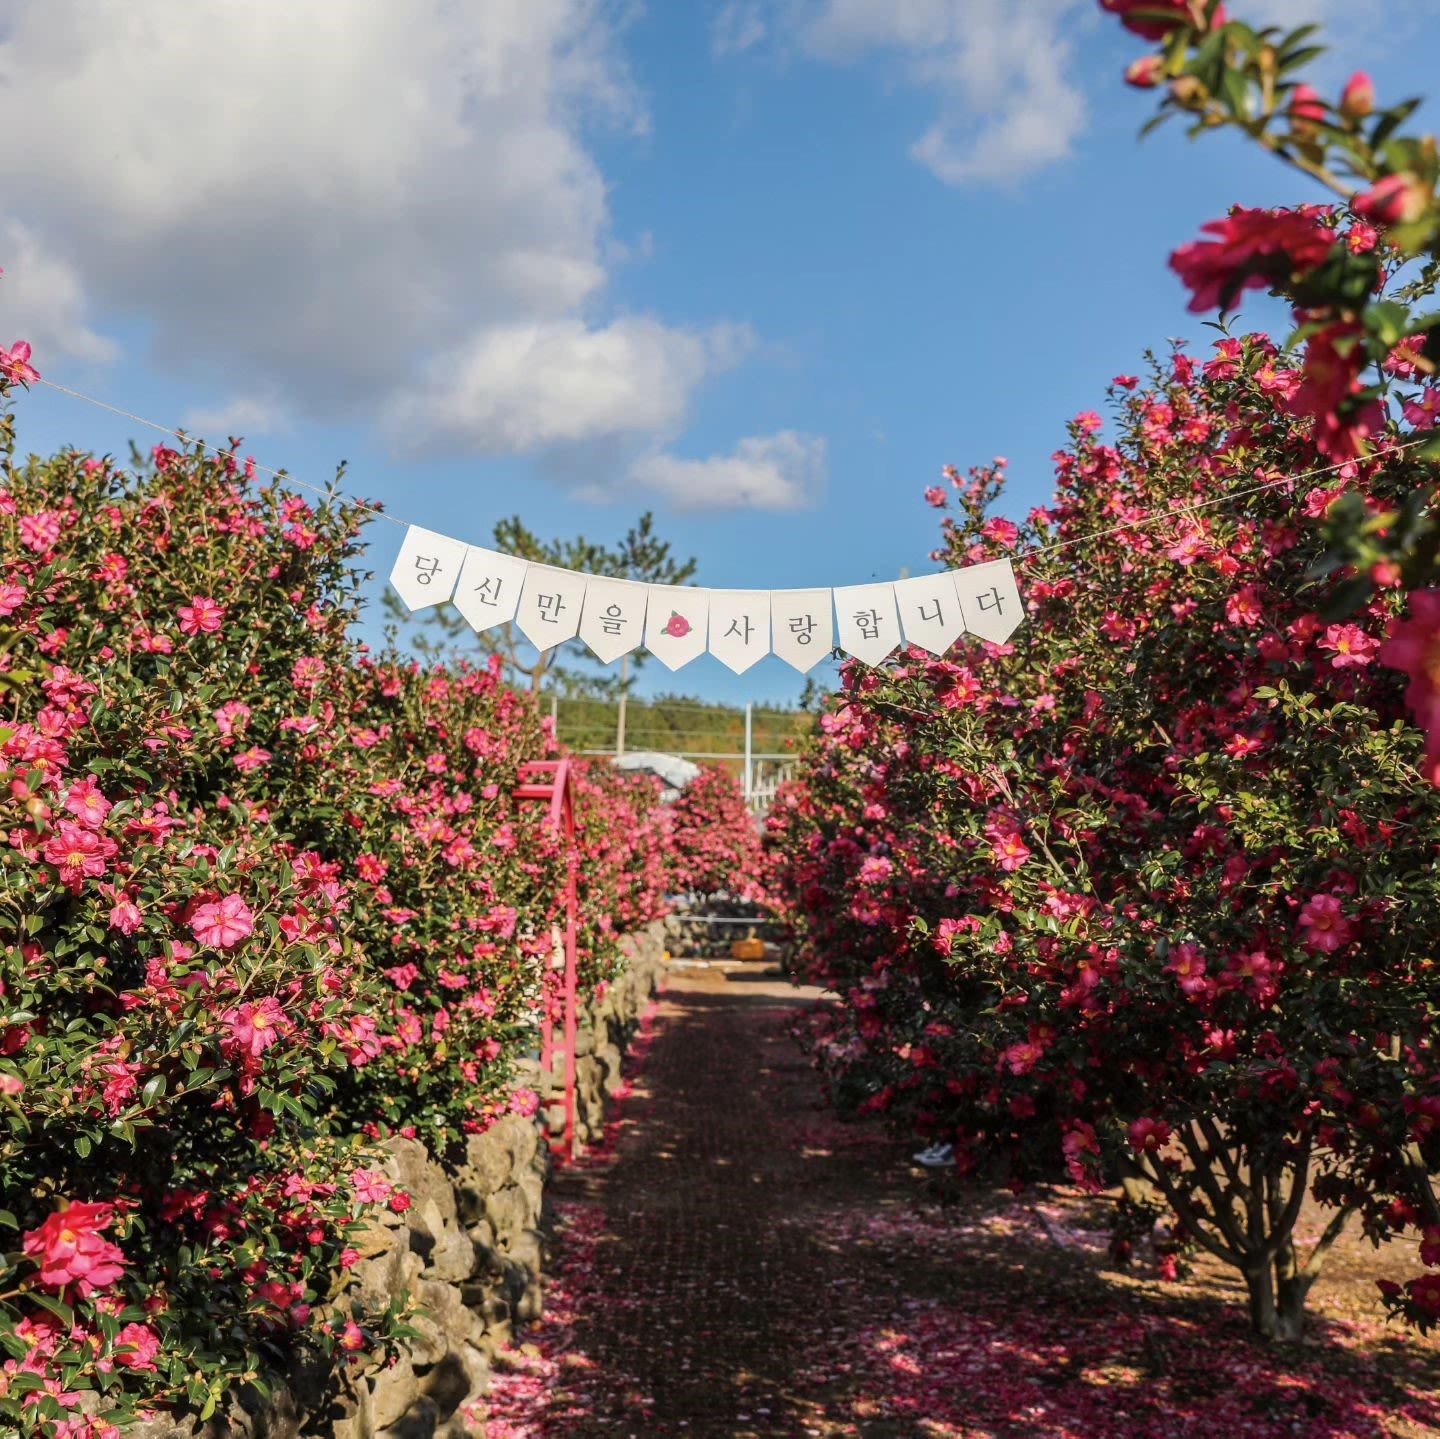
[
  {"x": 739, "y": 25},
  {"x": 43, "y": 302},
  {"x": 997, "y": 70},
  {"x": 362, "y": 208},
  {"x": 245, "y": 416},
  {"x": 558, "y": 382},
  {"x": 783, "y": 471}
]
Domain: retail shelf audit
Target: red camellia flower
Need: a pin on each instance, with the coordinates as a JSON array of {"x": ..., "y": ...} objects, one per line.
[
  {"x": 1148, "y": 1136},
  {"x": 68, "y": 1249},
  {"x": 201, "y": 616},
  {"x": 677, "y": 626},
  {"x": 1150, "y": 27},
  {"x": 223, "y": 923},
  {"x": 1252, "y": 249},
  {"x": 1414, "y": 648}
]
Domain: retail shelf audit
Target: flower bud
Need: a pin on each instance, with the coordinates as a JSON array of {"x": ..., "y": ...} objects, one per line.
[
  {"x": 1188, "y": 91},
  {"x": 1358, "y": 99},
  {"x": 1395, "y": 200},
  {"x": 1144, "y": 73},
  {"x": 1306, "y": 108}
]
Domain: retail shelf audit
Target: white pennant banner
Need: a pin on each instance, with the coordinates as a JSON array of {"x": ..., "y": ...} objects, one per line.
[
  {"x": 489, "y": 590},
  {"x": 678, "y": 623},
  {"x": 803, "y": 622},
  {"x": 739, "y": 627},
  {"x": 990, "y": 598},
  {"x": 675, "y": 623},
  {"x": 614, "y": 620},
  {"x": 426, "y": 568},
  {"x": 550, "y": 606},
  {"x": 869, "y": 624},
  {"x": 930, "y": 612}
]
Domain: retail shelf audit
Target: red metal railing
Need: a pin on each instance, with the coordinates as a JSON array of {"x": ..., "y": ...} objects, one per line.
[{"x": 548, "y": 781}]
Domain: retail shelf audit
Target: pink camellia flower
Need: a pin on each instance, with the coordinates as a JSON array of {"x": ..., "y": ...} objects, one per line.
[
  {"x": 371, "y": 1187},
  {"x": 39, "y": 532},
  {"x": 1187, "y": 964},
  {"x": 223, "y": 923},
  {"x": 1357, "y": 100},
  {"x": 935, "y": 496},
  {"x": 1325, "y": 926},
  {"x": 352, "y": 1337},
  {"x": 11, "y": 1085},
  {"x": 1413, "y": 647},
  {"x": 84, "y": 800},
  {"x": 15, "y": 364},
  {"x": 136, "y": 1346},
  {"x": 68, "y": 1249},
  {"x": 125, "y": 915},
  {"x": 677, "y": 626},
  {"x": 307, "y": 672},
  {"x": 1148, "y": 1136},
  {"x": 201, "y": 616},
  {"x": 254, "y": 1027},
  {"x": 1352, "y": 647},
  {"x": 11, "y": 598},
  {"x": 78, "y": 853}
]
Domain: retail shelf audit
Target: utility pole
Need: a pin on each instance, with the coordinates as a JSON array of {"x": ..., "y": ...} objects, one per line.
[
  {"x": 749, "y": 747},
  {"x": 620, "y": 713}
]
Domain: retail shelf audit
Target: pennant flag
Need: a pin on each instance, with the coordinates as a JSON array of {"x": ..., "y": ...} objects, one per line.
[
  {"x": 930, "y": 612},
  {"x": 803, "y": 623},
  {"x": 550, "y": 605},
  {"x": 675, "y": 623},
  {"x": 869, "y": 624},
  {"x": 613, "y": 623},
  {"x": 990, "y": 598},
  {"x": 489, "y": 590},
  {"x": 739, "y": 627},
  {"x": 426, "y": 568}
]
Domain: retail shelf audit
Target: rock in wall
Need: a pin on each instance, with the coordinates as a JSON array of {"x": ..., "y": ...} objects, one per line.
[{"x": 468, "y": 1255}]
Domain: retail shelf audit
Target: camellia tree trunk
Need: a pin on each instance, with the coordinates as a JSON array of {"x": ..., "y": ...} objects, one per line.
[{"x": 1240, "y": 1202}]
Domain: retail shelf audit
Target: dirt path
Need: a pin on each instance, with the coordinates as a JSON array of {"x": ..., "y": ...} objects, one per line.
[
  {"x": 743, "y": 1265},
  {"x": 711, "y": 1284}
]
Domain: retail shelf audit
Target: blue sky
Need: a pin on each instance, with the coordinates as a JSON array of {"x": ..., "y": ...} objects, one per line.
[{"x": 763, "y": 266}]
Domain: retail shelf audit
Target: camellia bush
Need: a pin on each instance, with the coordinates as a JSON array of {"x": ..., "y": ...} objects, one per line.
[
  {"x": 1149, "y": 892},
  {"x": 267, "y": 900},
  {"x": 714, "y": 840}
]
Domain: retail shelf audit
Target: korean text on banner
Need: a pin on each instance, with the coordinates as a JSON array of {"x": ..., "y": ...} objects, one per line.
[
  {"x": 739, "y": 627},
  {"x": 426, "y": 568},
  {"x": 803, "y": 626},
  {"x": 930, "y": 612},
  {"x": 614, "y": 620},
  {"x": 869, "y": 623},
  {"x": 990, "y": 598},
  {"x": 489, "y": 590},
  {"x": 550, "y": 605}
]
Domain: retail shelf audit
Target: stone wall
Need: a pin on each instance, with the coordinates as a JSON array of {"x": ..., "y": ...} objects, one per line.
[{"x": 468, "y": 1255}]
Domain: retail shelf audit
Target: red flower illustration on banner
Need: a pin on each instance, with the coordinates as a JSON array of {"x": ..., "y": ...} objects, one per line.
[{"x": 677, "y": 627}]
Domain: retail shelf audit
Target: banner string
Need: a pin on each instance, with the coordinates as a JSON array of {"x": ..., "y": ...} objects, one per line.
[{"x": 1034, "y": 550}]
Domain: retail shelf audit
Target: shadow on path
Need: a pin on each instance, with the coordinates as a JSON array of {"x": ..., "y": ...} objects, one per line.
[{"x": 760, "y": 1269}]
